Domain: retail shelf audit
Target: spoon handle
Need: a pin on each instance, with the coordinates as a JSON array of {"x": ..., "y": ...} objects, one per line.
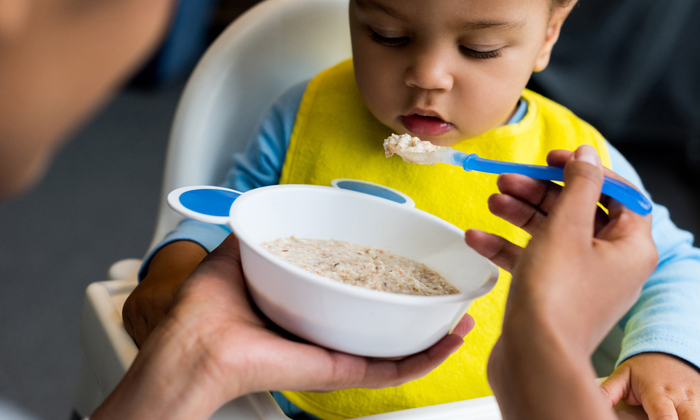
[{"x": 625, "y": 194}]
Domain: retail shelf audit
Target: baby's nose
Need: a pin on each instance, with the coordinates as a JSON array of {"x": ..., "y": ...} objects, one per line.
[{"x": 430, "y": 71}]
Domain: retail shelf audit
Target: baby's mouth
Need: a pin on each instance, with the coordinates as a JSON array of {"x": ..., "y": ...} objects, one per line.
[{"x": 422, "y": 125}]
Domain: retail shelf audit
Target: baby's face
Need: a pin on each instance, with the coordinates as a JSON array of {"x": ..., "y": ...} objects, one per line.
[{"x": 449, "y": 70}]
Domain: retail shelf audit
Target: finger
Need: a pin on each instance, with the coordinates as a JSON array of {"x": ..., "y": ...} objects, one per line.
[
  {"x": 415, "y": 366},
  {"x": 575, "y": 211},
  {"x": 228, "y": 253},
  {"x": 660, "y": 408},
  {"x": 464, "y": 325},
  {"x": 349, "y": 371},
  {"x": 530, "y": 215},
  {"x": 688, "y": 410},
  {"x": 341, "y": 370},
  {"x": 541, "y": 194},
  {"x": 498, "y": 250},
  {"x": 559, "y": 158},
  {"x": 420, "y": 364},
  {"x": 617, "y": 386},
  {"x": 517, "y": 212},
  {"x": 630, "y": 234},
  {"x": 383, "y": 373},
  {"x": 617, "y": 209},
  {"x": 221, "y": 267}
]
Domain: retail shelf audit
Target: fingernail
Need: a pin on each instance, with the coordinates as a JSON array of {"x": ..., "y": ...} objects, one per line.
[{"x": 587, "y": 154}]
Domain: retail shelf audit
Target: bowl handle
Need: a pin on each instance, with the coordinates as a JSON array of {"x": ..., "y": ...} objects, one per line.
[
  {"x": 204, "y": 203},
  {"x": 371, "y": 188}
]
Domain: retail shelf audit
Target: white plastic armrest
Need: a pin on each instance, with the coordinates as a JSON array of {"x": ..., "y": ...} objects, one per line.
[{"x": 124, "y": 269}]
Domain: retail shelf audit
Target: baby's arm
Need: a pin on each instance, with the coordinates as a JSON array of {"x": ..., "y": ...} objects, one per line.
[
  {"x": 171, "y": 263},
  {"x": 164, "y": 270},
  {"x": 151, "y": 300}
]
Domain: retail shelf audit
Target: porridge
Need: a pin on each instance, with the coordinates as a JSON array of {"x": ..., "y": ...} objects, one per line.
[
  {"x": 396, "y": 143},
  {"x": 362, "y": 266},
  {"x": 413, "y": 149}
]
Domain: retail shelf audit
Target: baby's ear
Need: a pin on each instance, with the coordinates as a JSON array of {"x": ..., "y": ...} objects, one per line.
[{"x": 556, "y": 21}]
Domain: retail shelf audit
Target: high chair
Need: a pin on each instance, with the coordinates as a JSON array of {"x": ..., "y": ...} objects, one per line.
[{"x": 268, "y": 49}]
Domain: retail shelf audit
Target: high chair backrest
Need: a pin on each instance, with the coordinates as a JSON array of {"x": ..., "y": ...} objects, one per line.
[{"x": 268, "y": 49}]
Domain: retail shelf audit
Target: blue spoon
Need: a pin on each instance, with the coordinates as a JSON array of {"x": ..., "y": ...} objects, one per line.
[{"x": 428, "y": 154}]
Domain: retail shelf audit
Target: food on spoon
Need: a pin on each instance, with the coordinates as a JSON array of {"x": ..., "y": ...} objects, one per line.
[
  {"x": 363, "y": 266},
  {"x": 413, "y": 149}
]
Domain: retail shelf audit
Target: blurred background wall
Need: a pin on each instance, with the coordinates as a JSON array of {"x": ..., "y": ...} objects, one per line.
[{"x": 631, "y": 69}]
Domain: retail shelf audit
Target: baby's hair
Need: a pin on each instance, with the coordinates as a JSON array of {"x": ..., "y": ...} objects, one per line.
[{"x": 561, "y": 3}]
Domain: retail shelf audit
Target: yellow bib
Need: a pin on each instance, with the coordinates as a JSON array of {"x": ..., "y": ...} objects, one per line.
[{"x": 336, "y": 136}]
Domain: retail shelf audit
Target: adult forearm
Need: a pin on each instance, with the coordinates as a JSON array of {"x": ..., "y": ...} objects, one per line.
[
  {"x": 535, "y": 375},
  {"x": 170, "y": 379}
]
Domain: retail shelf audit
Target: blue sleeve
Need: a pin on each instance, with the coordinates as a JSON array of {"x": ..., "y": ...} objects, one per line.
[
  {"x": 666, "y": 317},
  {"x": 259, "y": 165}
]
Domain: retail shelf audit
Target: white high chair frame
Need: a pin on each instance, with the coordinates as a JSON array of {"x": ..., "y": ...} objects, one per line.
[{"x": 274, "y": 45}]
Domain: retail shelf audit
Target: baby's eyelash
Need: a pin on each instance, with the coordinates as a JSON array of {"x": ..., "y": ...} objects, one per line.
[
  {"x": 388, "y": 42},
  {"x": 481, "y": 55}
]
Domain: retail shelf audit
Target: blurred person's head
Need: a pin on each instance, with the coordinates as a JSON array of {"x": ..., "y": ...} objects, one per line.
[
  {"x": 449, "y": 70},
  {"x": 59, "y": 60}
]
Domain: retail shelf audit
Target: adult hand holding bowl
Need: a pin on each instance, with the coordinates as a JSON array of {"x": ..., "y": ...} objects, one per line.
[{"x": 329, "y": 313}]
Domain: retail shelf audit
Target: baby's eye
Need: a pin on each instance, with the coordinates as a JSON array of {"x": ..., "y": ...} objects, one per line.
[
  {"x": 389, "y": 42},
  {"x": 481, "y": 55}
]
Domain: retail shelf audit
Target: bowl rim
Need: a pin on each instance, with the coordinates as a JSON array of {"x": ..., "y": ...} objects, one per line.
[{"x": 238, "y": 229}]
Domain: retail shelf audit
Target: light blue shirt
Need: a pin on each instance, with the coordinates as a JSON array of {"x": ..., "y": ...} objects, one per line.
[{"x": 665, "y": 319}]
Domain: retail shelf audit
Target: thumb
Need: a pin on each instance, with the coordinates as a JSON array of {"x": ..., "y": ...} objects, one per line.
[
  {"x": 577, "y": 204},
  {"x": 223, "y": 264},
  {"x": 617, "y": 386},
  {"x": 228, "y": 252}
]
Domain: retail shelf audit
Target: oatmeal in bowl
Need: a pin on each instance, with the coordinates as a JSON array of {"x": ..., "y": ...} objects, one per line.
[{"x": 362, "y": 266}]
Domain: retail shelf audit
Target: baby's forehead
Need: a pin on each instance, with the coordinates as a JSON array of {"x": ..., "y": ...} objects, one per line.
[{"x": 456, "y": 10}]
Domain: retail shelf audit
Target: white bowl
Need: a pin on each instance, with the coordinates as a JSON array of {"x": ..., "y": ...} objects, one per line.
[{"x": 344, "y": 317}]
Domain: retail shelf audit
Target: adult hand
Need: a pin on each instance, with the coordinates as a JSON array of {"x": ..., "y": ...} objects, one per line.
[
  {"x": 214, "y": 347},
  {"x": 579, "y": 274},
  {"x": 580, "y": 259}
]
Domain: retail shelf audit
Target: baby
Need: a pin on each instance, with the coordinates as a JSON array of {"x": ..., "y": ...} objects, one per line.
[{"x": 452, "y": 72}]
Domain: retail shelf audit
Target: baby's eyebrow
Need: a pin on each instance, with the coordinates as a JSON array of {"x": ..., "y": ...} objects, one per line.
[
  {"x": 370, "y": 6},
  {"x": 493, "y": 24}
]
